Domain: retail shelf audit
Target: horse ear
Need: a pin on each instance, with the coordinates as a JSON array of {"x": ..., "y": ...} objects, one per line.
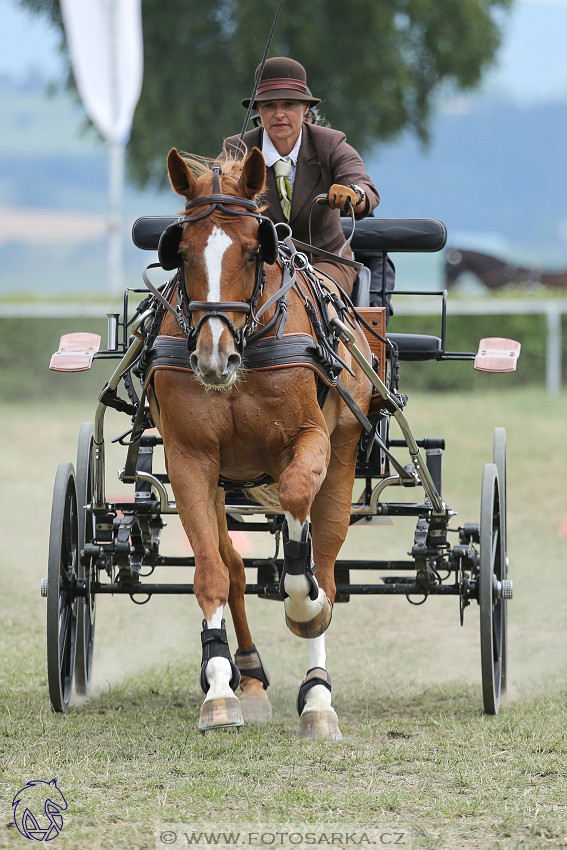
[
  {"x": 181, "y": 177},
  {"x": 253, "y": 174}
]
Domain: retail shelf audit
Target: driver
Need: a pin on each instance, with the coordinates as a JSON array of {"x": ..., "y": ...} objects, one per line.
[{"x": 304, "y": 160}]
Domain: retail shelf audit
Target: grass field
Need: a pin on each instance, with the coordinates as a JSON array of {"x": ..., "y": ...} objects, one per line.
[{"x": 420, "y": 764}]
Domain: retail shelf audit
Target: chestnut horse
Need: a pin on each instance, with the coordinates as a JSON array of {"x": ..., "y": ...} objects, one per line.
[{"x": 220, "y": 421}]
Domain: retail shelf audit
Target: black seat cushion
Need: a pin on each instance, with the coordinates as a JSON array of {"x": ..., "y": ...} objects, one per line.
[{"x": 417, "y": 346}]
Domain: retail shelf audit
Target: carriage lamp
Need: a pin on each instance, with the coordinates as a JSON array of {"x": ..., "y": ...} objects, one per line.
[{"x": 113, "y": 331}]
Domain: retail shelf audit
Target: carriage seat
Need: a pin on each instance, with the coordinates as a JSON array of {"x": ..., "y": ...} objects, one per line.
[
  {"x": 372, "y": 240},
  {"x": 372, "y": 237},
  {"x": 390, "y": 235},
  {"x": 376, "y": 235},
  {"x": 417, "y": 346}
]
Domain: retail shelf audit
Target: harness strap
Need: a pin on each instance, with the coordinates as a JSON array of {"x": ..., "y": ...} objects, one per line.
[
  {"x": 370, "y": 430},
  {"x": 288, "y": 281},
  {"x": 311, "y": 249},
  {"x": 233, "y": 306},
  {"x": 218, "y": 199},
  {"x": 130, "y": 467},
  {"x": 271, "y": 353},
  {"x": 177, "y": 314}
]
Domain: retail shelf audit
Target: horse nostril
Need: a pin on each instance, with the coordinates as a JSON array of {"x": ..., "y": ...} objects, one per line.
[
  {"x": 194, "y": 362},
  {"x": 233, "y": 363}
]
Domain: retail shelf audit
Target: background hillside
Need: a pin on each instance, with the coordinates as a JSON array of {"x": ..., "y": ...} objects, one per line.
[{"x": 494, "y": 173}]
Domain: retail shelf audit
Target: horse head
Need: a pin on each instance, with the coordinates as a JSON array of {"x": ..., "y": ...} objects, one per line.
[{"x": 221, "y": 242}]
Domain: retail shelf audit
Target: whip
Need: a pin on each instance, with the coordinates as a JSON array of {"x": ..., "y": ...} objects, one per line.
[{"x": 258, "y": 78}]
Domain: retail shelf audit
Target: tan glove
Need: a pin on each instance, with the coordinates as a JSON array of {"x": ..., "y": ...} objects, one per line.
[{"x": 340, "y": 196}]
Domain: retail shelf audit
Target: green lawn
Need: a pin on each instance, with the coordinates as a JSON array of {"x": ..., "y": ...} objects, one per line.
[{"x": 418, "y": 756}]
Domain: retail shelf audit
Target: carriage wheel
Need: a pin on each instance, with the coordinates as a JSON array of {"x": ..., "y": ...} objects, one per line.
[
  {"x": 499, "y": 456},
  {"x": 61, "y": 577},
  {"x": 86, "y": 613},
  {"x": 492, "y": 573}
]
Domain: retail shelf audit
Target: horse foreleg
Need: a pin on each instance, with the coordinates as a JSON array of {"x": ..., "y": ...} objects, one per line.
[
  {"x": 308, "y": 610},
  {"x": 219, "y": 678},
  {"x": 254, "y": 678},
  {"x": 317, "y": 717},
  {"x": 330, "y": 516},
  {"x": 195, "y": 489}
]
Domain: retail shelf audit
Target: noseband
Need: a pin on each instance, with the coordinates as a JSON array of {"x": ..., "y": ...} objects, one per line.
[{"x": 217, "y": 309}]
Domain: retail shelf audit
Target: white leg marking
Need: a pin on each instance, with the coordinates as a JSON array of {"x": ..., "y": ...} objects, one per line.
[
  {"x": 318, "y": 698},
  {"x": 298, "y": 605},
  {"x": 218, "y": 671},
  {"x": 317, "y": 652}
]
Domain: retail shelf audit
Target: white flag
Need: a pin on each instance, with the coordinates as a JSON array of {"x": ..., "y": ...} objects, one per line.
[{"x": 106, "y": 47}]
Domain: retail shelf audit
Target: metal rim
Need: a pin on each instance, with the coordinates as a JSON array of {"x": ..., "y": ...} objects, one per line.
[
  {"x": 61, "y": 577},
  {"x": 492, "y": 606},
  {"x": 499, "y": 456},
  {"x": 86, "y": 615}
]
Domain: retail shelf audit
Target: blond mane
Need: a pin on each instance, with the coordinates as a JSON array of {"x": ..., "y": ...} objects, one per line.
[{"x": 231, "y": 169}]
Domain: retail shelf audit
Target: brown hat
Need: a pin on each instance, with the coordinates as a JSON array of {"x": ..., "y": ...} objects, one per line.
[{"x": 282, "y": 79}]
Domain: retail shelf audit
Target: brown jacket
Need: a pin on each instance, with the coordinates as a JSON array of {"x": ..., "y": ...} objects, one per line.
[{"x": 324, "y": 158}]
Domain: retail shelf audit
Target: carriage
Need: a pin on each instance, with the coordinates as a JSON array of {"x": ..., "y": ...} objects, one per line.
[{"x": 102, "y": 546}]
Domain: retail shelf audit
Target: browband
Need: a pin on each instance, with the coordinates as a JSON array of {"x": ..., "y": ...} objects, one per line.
[
  {"x": 233, "y": 306},
  {"x": 219, "y": 200}
]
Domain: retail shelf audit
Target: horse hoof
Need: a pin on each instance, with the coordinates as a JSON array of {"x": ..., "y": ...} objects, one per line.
[
  {"x": 315, "y": 627},
  {"x": 256, "y": 709},
  {"x": 220, "y": 713},
  {"x": 319, "y": 725}
]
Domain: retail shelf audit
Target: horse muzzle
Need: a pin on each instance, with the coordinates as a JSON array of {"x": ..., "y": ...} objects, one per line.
[
  {"x": 216, "y": 371},
  {"x": 214, "y": 361}
]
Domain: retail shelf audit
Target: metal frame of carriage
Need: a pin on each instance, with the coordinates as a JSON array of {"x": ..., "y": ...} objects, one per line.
[{"x": 101, "y": 547}]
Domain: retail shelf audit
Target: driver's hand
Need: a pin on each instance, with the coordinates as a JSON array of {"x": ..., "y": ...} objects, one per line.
[{"x": 342, "y": 197}]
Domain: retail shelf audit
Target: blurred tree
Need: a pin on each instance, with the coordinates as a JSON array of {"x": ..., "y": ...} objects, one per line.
[{"x": 377, "y": 64}]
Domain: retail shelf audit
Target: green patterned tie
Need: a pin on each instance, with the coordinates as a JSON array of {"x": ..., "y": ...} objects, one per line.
[{"x": 282, "y": 169}]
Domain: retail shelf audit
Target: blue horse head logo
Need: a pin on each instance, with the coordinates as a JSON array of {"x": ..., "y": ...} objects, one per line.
[{"x": 37, "y": 810}]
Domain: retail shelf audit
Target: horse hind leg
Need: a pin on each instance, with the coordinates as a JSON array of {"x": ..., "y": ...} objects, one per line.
[
  {"x": 317, "y": 717},
  {"x": 254, "y": 677},
  {"x": 308, "y": 609}
]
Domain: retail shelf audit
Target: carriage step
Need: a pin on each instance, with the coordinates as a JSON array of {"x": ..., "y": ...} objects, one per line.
[
  {"x": 76, "y": 352},
  {"x": 496, "y": 354}
]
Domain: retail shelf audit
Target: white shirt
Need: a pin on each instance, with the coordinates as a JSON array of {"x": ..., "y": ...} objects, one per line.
[{"x": 271, "y": 155}]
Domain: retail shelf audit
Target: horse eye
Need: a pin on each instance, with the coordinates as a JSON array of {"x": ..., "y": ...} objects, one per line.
[{"x": 252, "y": 255}]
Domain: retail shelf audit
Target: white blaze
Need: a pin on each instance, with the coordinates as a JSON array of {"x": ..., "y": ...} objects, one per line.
[{"x": 217, "y": 244}]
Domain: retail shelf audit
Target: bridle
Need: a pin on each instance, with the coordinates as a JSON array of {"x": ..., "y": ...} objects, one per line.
[{"x": 219, "y": 309}]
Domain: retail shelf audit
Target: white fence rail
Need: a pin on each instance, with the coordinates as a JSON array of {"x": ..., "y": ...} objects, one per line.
[{"x": 553, "y": 309}]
